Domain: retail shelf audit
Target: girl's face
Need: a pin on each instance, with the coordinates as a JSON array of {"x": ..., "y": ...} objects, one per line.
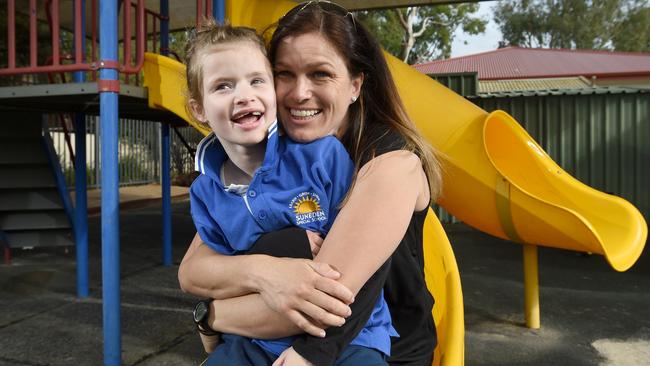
[
  {"x": 313, "y": 86},
  {"x": 238, "y": 97}
]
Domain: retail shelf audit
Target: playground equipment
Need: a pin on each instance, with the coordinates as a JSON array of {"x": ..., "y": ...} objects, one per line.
[
  {"x": 500, "y": 180},
  {"x": 443, "y": 281}
]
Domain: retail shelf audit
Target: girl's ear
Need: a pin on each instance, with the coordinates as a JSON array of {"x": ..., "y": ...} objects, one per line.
[{"x": 197, "y": 110}]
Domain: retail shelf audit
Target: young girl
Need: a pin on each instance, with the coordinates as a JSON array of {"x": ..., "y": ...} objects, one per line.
[{"x": 254, "y": 181}]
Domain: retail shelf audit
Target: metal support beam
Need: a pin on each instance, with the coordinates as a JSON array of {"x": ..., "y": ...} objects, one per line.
[
  {"x": 531, "y": 286},
  {"x": 164, "y": 27},
  {"x": 165, "y": 184},
  {"x": 219, "y": 10},
  {"x": 81, "y": 194},
  {"x": 108, "y": 118},
  {"x": 81, "y": 205}
]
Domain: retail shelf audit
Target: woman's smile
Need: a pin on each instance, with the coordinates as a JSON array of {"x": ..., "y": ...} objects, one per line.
[{"x": 304, "y": 113}]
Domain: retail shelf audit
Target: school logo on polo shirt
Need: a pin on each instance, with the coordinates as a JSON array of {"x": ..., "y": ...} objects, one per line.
[{"x": 307, "y": 209}]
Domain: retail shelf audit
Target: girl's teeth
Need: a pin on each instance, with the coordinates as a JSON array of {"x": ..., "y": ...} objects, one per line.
[{"x": 303, "y": 113}]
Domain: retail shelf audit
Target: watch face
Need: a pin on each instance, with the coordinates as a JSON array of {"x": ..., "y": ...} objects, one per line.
[{"x": 200, "y": 311}]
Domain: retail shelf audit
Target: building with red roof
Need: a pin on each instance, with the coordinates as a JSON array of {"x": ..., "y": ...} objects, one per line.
[{"x": 600, "y": 67}]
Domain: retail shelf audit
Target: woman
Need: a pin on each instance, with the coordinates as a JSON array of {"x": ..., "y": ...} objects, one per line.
[{"x": 317, "y": 49}]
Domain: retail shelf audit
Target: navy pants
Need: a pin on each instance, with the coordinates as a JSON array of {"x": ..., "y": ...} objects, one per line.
[{"x": 237, "y": 350}]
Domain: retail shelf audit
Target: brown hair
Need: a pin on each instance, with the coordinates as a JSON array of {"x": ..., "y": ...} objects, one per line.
[
  {"x": 379, "y": 110},
  {"x": 205, "y": 36}
]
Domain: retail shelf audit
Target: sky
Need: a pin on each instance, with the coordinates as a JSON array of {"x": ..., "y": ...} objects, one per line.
[{"x": 481, "y": 43}]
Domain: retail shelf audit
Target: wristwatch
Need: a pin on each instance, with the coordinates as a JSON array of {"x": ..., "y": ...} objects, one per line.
[{"x": 201, "y": 314}]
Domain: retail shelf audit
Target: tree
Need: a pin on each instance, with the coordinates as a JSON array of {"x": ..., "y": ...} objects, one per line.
[
  {"x": 633, "y": 33},
  {"x": 574, "y": 24},
  {"x": 418, "y": 34}
]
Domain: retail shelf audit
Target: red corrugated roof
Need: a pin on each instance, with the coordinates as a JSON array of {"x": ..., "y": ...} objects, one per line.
[{"x": 522, "y": 63}]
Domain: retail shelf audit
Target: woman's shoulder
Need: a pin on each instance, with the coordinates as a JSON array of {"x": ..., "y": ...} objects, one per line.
[
  {"x": 389, "y": 141},
  {"x": 381, "y": 142}
]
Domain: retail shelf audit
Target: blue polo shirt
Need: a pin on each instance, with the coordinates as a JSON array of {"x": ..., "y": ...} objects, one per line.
[{"x": 298, "y": 184}]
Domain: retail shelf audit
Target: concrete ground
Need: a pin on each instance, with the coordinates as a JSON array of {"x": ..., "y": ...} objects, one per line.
[
  {"x": 591, "y": 315},
  {"x": 134, "y": 196}
]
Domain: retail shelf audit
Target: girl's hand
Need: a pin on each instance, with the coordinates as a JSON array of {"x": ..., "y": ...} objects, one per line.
[
  {"x": 305, "y": 292},
  {"x": 315, "y": 242},
  {"x": 291, "y": 358}
]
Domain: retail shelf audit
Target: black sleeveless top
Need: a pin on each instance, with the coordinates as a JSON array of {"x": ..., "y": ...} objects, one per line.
[
  {"x": 405, "y": 291},
  {"x": 409, "y": 300}
]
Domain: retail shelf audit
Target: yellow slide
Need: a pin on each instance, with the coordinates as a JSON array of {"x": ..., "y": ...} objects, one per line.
[
  {"x": 497, "y": 178},
  {"x": 501, "y": 182}
]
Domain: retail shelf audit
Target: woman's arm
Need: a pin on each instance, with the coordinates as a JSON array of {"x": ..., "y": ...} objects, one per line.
[
  {"x": 376, "y": 216},
  {"x": 366, "y": 232},
  {"x": 299, "y": 289},
  {"x": 378, "y": 226}
]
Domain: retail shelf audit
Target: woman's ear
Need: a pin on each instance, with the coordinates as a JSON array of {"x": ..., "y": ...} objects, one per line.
[
  {"x": 357, "y": 83},
  {"x": 197, "y": 110}
]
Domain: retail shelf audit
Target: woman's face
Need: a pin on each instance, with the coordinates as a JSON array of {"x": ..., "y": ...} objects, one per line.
[{"x": 313, "y": 86}]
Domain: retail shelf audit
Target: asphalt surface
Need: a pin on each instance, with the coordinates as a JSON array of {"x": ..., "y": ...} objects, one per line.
[{"x": 590, "y": 314}]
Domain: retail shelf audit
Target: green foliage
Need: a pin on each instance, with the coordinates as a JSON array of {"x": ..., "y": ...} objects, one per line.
[
  {"x": 69, "y": 174},
  {"x": 633, "y": 33},
  {"x": 22, "y": 38},
  {"x": 177, "y": 41},
  {"x": 133, "y": 168},
  {"x": 574, "y": 24},
  {"x": 437, "y": 25}
]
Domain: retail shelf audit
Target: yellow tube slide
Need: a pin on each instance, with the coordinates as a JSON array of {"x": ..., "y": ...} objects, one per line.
[
  {"x": 500, "y": 181},
  {"x": 497, "y": 179},
  {"x": 164, "y": 79}
]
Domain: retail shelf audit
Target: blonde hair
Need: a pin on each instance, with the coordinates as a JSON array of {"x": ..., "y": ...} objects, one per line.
[{"x": 203, "y": 37}]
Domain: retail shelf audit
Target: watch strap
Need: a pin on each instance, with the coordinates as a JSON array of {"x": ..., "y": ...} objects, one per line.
[{"x": 202, "y": 324}]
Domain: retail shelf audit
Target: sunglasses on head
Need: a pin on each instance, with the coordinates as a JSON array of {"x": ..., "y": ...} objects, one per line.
[{"x": 325, "y": 6}]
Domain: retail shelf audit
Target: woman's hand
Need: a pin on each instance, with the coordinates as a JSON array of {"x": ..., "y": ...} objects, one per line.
[
  {"x": 307, "y": 293},
  {"x": 290, "y": 358},
  {"x": 315, "y": 242}
]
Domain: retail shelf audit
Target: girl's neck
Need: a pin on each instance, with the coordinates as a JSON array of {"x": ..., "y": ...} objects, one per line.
[{"x": 242, "y": 163}]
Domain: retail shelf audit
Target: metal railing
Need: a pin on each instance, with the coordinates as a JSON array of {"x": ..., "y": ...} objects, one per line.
[
  {"x": 77, "y": 61},
  {"x": 139, "y": 151}
]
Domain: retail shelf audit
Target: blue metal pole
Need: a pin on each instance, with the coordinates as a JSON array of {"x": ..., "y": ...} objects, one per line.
[
  {"x": 165, "y": 184},
  {"x": 108, "y": 99},
  {"x": 166, "y": 194},
  {"x": 164, "y": 27},
  {"x": 81, "y": 209},
  {"x": 219, "y": 10}
]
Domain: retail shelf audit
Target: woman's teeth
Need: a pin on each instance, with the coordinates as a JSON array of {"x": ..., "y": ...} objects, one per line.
[{"x": 304, "y": 112}]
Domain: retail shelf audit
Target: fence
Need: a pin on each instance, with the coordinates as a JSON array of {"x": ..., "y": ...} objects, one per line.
[
  {"x": 139, "y": 150},
  {"x": 600, "y": 139}
]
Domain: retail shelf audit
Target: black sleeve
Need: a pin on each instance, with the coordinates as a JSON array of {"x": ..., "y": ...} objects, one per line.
[
  {"x": 291, "y": 242},
  {"x": 324, "y": 351}
]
